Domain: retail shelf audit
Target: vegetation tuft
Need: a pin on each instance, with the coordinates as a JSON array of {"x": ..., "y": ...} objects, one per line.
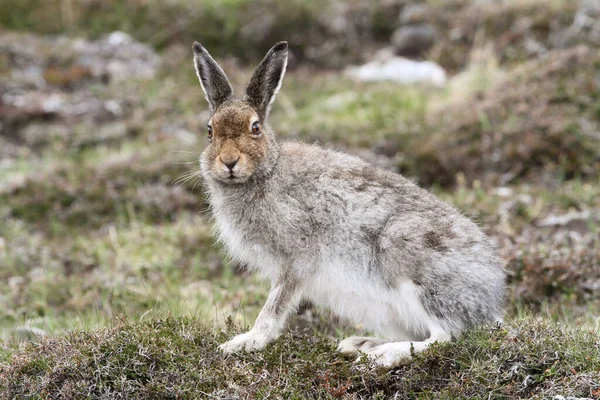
[
  {"x": 541, "y": 121},
  {"x": 178, "y": 358}
]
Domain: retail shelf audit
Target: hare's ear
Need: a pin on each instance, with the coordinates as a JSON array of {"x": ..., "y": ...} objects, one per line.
[
  {"x": 266, "y": 81},
  {"x": 214, "y": 82}
]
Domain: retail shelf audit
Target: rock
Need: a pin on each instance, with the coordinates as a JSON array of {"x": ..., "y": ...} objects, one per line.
[
  {"x": 45, "y": 93},
  {"x": 29, "y": 333},
  {"x": 400, "y": 70},
  {"x": 386, "y": 147},
  {"x": 413, "y": 40},
  {"x": 36, "y": 61},
  {"x": 567, "y": 219},
  {"x": 586, "y": 24},
  {"x": 117, "y": 56},
  {"x": 503, "y": 191}
]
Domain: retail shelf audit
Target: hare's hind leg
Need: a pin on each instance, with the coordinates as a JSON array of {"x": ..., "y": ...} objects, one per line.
[
  {"x": 352, "y": 345},
  {"x": 393, "y": 354}
]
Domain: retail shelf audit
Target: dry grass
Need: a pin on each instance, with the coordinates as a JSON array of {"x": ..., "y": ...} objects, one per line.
[
  {"x": 95, "y": 223},
  {"x": 178, "y": 358},
  {"x": 539, "y": 123}
]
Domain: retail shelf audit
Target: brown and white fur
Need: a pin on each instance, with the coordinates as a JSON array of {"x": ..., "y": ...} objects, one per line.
[{"x": 331, "y": 228}]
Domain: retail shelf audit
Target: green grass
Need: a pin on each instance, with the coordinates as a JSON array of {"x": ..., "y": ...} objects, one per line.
[
  {"x": 178, "y": 358},
  {"x": 134, "y": 269},
  {"x": 95, "y": 225},
  {"x": 331, "y": 109}
]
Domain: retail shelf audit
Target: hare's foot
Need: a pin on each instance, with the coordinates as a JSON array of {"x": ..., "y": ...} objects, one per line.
[
  {"x": 248, "y": 341},
  {"x": 390, "y": 355},
  {"x": 352, "y": 345}
]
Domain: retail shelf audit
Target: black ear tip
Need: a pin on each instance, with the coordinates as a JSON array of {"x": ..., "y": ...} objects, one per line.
[
  {"x": 198, "y": 48},
  {"x": 281, "y": 46}
]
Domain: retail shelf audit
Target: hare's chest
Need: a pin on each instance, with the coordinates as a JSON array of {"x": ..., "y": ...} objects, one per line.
[{"x": 243, "y": 245}]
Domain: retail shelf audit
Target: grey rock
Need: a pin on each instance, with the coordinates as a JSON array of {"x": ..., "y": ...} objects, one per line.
[
  {"x": 413, "y": 40},
  {"x": 30, "y": 333},
  {"x": 586, "y": 24},
  {"x": 400, "y": 70}
]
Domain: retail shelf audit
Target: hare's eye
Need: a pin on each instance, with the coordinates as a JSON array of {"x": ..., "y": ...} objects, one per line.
[
  {"x": 256, "y": 128},
  {"x": 210, "y": 132}
]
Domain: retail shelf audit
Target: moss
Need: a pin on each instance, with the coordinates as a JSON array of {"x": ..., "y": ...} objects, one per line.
[{"x": 178, "y": 357}]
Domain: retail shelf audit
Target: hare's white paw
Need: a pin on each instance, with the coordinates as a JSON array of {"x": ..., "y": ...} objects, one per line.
[
  {"x": 352, "y": 345},
  {"x": 246, "y": 341},
  {"x": 390, "y": 355}
]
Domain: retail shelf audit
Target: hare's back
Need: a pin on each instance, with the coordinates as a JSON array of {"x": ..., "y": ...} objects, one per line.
[
  {"x": 309, "y": 171},
  {"x": 359, "y": 202}
]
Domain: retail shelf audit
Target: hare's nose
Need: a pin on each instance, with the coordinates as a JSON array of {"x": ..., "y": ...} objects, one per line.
[{"x": 230, "y": 163}]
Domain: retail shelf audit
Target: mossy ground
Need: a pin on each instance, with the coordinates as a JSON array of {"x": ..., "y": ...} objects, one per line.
[
  {"x": 177, "y": 358},
  {"x": 104, "y": 217}
]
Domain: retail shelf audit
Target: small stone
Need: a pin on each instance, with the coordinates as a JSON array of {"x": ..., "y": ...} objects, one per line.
[
  {"x": 14, "y": 282},
  {"x": 504, "y": 191},
  {"x": 400, "y": 70},
  {"x": 388, "y": 148},
  {"x": 23, "y": 333},
  {"x": 119, "y": 38},
  {"x": 413, "y": 40}
]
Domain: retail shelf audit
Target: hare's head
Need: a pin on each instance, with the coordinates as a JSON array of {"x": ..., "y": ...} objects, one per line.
[{"x": 242, "y": 144}]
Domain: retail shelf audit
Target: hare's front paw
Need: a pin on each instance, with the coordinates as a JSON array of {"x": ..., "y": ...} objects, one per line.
[{"x": 246, "y": 341}]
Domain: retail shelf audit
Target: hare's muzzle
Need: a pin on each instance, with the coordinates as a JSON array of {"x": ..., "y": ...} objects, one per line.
[
  {"x": 229, "y": 157},
  {"x": 230, "y": 162}
]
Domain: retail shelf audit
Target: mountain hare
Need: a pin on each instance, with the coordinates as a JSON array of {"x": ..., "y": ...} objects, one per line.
[{"x": 331, "y": 228}]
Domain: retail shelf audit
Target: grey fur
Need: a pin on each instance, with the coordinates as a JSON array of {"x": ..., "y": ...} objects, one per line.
[{"x": 307, "y": 209}]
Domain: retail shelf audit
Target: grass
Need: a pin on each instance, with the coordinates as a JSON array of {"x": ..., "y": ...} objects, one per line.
[
  {"x": 539, "y": 122},
  {"x": 241, "y": 27},
  {"x": 328, "y": 108},
  {"x": 177, "y": 358},
  {"x": 509, "y": 27},
  {"x": 248, "y": 28},
  {"x": 99, "y": 221}
]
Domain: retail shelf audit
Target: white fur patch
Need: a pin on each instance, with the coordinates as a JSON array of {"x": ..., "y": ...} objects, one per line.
[
  {"x": 285, "y": 61},
  {"x": 252, "y": 254},
  {"x": 393, "y": 313}
]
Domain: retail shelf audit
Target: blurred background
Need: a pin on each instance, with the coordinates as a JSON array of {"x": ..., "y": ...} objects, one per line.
[{"x": 494, "y": 105}]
